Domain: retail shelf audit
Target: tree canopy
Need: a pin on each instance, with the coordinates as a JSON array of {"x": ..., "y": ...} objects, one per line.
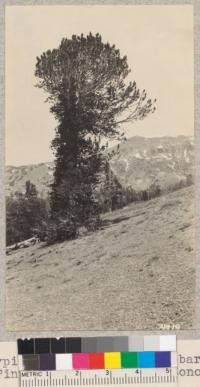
[
  {"x": 90, "y": 98},
  {"x": 87, "y": 74},
  {"x": 26, "y": 215}
]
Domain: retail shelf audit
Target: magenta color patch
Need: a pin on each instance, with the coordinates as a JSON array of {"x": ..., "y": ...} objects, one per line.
[{"x": 80, "y": 361}]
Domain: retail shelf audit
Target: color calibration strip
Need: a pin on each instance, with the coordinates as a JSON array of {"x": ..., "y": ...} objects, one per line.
[
  {"x": 164, "y": 343},
  {"x": 89, "y": 361}
]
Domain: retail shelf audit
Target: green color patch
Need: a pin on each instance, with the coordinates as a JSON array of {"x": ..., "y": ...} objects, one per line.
[{"x": 129, "y": 360}]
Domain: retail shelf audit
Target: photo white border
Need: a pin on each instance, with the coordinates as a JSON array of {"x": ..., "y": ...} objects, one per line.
[{"x": 9, "y": 336}]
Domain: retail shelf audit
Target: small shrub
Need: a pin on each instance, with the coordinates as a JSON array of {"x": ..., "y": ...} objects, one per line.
[{"x": 60, "y": 230}]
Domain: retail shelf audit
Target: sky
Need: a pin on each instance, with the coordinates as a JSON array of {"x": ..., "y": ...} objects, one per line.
[{"x": 158, "y": 42}]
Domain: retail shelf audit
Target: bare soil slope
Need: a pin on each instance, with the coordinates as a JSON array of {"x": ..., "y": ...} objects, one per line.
[{"x": 136, "y": 273}]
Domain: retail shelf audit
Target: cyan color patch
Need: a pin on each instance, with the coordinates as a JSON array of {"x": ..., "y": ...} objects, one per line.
[{"x": 146, "y": 359}]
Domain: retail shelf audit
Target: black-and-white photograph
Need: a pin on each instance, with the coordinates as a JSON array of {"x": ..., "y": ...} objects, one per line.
[{"x": 100, "y": 218}]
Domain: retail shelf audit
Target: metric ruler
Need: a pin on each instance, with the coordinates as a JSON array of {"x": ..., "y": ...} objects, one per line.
[
  {"x": 94, "y": 378},
  {"x": 185, "y": 374}
]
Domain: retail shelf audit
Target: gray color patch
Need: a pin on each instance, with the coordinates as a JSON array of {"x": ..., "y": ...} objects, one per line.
[
  {"x": 105, "y": 344},
  {"x": 88, "y": 344},
  {"x": 136, "y": 343},
  {"x": 120, "y": 344},
  {"x": 151, "y": 343}
]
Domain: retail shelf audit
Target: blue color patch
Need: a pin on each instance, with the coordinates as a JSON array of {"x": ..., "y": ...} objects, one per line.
[
  {"x": 146, "y": 359},
  {"x": 163, "y": 359}
]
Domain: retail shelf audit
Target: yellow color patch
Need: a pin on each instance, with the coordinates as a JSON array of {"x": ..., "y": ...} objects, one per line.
[{"x": 112, "y": 359}]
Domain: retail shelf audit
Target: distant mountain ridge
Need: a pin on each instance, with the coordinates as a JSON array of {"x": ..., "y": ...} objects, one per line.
[{"x": 140, "y": 162}]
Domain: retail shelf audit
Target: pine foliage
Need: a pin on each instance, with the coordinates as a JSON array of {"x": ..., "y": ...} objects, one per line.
[{"x": 90, "y": 98}]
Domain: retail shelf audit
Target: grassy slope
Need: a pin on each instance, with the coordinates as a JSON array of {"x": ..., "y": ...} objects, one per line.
[{"x": 135, "y": 273}]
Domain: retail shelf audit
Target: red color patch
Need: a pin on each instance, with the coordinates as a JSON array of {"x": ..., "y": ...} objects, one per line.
[{"x": 96, "y": 360}]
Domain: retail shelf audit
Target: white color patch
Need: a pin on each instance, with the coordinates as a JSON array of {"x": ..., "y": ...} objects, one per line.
[
  {"x": 168, "y": 343},
  {"x": 64, "y": 361},
  {"x": 174, "y": 359},
  {"x": 20, "y": 363}
]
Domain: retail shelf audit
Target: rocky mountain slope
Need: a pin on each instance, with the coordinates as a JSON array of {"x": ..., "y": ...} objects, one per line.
[
  {"x": 140, "y": 162},
  {"x": 143, "y": 161}
]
